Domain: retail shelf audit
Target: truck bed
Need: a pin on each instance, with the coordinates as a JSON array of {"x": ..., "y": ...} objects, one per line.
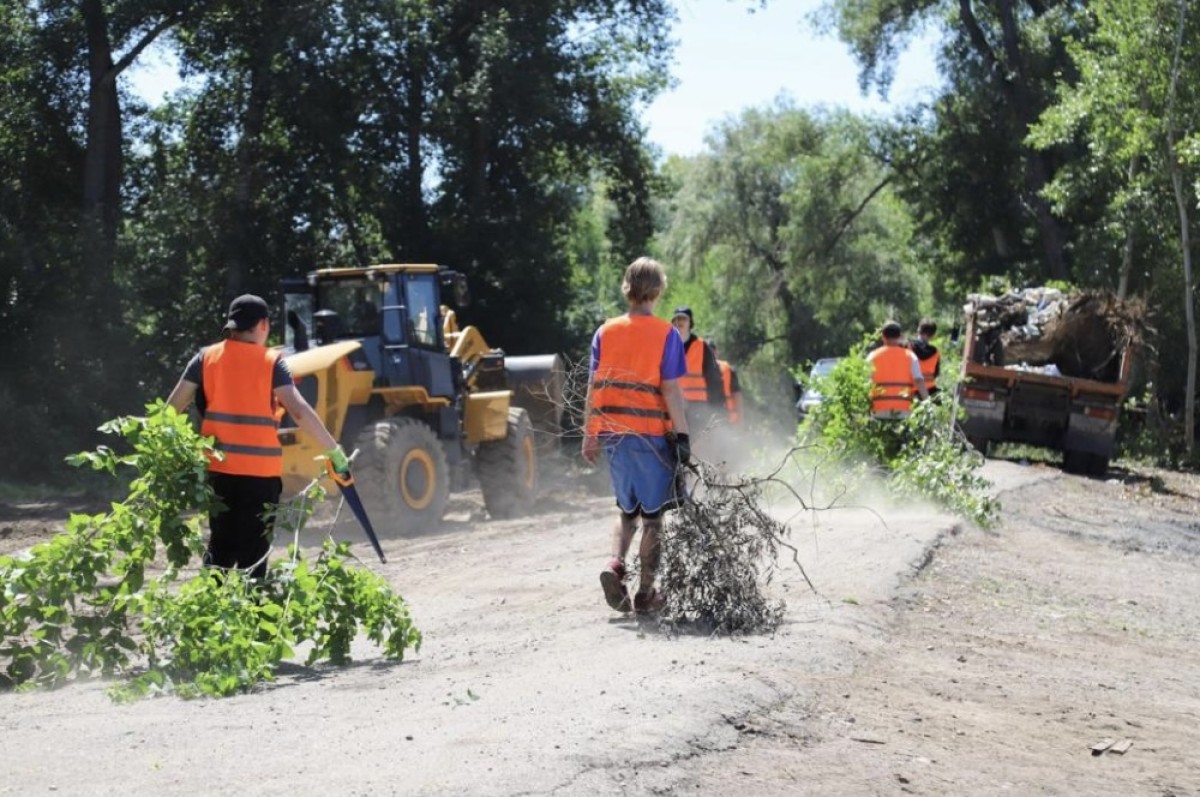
[{"x": 1074, "y": 385}]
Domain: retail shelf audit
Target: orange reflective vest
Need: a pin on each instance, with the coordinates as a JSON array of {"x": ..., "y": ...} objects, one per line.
[
  {"x": 929, "y": 366},
  {"x": 693, "y": 384},
  {"x": 727, "y": 380},
  {"x": 240, "y": 408},
  {"x": 892, "y": 382},
  {"x": 627, "y": 383}
]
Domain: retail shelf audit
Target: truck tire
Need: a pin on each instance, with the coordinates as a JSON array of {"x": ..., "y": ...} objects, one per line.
[
  {"x": 402, "y": 476},
  {"x": 1085, "y": 464},
  {"x": 980, "y": 444},
  {"x": 507, "y": 471}
]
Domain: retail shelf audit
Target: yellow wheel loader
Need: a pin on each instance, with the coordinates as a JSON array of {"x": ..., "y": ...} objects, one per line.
[{"x": 428, "y": 405}]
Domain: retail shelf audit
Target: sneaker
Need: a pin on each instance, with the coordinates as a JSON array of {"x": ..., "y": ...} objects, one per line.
[
  {"x": 612, "y": 581},
  {"x": 648, "y": 602}
]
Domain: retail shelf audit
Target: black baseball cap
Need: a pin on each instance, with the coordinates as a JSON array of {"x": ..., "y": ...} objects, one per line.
[
  {"x": 687, "y": 311},
  {"x": 246, "y": 311}
]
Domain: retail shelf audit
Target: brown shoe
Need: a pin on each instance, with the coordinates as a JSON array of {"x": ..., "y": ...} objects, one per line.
[
  {"x": 648, "y": 602},
  {"x": 612, "y": 581}
]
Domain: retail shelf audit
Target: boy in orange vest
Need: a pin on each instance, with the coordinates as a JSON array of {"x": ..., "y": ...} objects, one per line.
[
  {"x": 702, "y": 385},
  {"x": 927, "y": 354},
  {"x": 634, "y": 402},
  {"x": 237, "y": 385}
]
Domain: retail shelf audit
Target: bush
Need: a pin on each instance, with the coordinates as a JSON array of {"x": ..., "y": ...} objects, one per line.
[
  {"x": 81, "y": 604},
  {"x": 924, "y": 454}
]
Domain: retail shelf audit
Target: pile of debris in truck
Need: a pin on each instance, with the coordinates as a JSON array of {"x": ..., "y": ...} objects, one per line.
[
  {"x": 1049, "y": 368},
  {"x": 1048, "y": 331}
]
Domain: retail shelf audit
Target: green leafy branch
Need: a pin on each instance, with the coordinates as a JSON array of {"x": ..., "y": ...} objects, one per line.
[
  {"x": 924, "y": 454},
  {"x": 83, "y": 604}
]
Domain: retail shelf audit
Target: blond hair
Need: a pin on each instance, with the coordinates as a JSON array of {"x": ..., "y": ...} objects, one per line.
[{"x": 644, "y": 281}]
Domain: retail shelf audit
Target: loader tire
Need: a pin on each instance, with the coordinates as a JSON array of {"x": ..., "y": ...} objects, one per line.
[
  {"x": 402, "y": 476},
  {"x": 507, "y": 469}
]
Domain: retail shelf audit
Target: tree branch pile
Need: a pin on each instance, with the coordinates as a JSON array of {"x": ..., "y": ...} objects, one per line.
[
  {"x": 1078, "y": 334},
  {"x": 720, "y": 550}
]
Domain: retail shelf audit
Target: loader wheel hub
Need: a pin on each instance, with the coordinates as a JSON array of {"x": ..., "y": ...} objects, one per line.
[
  {"x": 530, "y": 462},
  {"x": 418, "y": 479}
]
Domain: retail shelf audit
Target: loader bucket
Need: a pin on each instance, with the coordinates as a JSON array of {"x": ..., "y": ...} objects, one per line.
[{"x": 537, "y": 382}]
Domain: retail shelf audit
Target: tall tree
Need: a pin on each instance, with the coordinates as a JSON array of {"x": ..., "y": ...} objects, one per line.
[
  {"x": 447, "y": 130},
  {"x": 789, "y": 218},
  {"x": 1001, "y": 60},
  {"x": 1137, "y": 108}
]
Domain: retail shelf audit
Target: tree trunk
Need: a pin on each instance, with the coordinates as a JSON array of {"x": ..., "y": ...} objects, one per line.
[
  {"x": 1127, "y": 251},
  {"x": 1011, "y": 77},
  {"x": 418, "y": 232},
  {"x": 242, "y": 242},
  {"x": 1181, "y": 202},
  {"x": 102, "y": 163},
  {"x": 1037, "y": 168},
  {"x": 1189, "y": 304}
]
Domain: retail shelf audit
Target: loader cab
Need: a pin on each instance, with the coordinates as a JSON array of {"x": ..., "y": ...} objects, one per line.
[{"x": 394, "y": 310}]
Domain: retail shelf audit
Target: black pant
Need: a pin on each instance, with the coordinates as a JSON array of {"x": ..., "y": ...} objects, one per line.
[{"x": 240, "y": 537}]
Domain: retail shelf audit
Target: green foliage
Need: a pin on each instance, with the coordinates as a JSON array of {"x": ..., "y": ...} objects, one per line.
[
  {"x": 934, "y": 462},
  {"x": 306, "y": 135},
  {"x": 1148, "y": 436},
  {"x": 86, "y": 603},
  {"x": 1000, "y": 65},
  {"x": 1127, "y": 109},
  {"x": 790, "y": 220},
  {"x": 922, "y": 455}
]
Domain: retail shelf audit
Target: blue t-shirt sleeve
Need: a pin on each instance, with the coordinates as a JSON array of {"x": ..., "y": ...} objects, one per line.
[
  {"x": 281, "y": 376},
  {"x": 674, "y": 365}
]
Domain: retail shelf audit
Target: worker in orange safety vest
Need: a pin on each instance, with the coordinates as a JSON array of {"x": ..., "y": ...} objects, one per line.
[
  {"x": 730, "y": 385},
  {"x": 927, "y": 354},
  {"x": 238, "y": 386},
  {"x": 895, "y": 376},
  {"x": 637, "y": 415},
  {"x": 703, "y": 388}
]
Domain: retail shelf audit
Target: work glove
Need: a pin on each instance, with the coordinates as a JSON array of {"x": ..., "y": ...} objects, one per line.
[
  {"x": 683, "y": 449},
  {"x": 339, "y": 461}
]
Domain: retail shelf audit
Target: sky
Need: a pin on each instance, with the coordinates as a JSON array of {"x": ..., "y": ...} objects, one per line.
[{"x": 726, "y": 60}]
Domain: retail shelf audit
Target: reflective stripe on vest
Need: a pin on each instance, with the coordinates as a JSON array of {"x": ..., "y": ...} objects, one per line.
[
  {"x": 693, "y": 384},
  {"x": 727, "y": 381},
  {"x": 892, "y": 382},
  {"x": 239, "y": 410},
  {"x": 627, "y": 383}
]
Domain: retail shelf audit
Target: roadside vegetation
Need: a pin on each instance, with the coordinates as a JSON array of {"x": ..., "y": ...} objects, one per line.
[
  {"x": 505, "y": 140},
  {"x": 115, "y": 595},
  {"x": 923, "y": 455}
]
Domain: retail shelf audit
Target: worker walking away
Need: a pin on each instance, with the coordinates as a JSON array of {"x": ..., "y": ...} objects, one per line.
[
  {"x": 927, "y": 354},
  {"x": 238, "y": 385},
  {"x": 895, "y": 376},
  {"x": 634, "y": 402},
  {"x": 730, "y": 386},
  {"x": 702, "y": 387}
]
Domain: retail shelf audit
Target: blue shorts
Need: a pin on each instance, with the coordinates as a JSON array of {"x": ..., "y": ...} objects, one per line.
[{"x": 642, "y": 470}]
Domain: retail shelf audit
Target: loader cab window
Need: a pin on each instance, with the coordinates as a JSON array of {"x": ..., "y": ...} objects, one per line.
[
  {"x": 424, "y": 325},
  {"x": 357, "y": 303},
  {"x": 297, "y": 316}
]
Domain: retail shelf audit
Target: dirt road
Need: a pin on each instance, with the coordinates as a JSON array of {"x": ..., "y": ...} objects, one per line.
[{"x": 989, "y": 665}]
